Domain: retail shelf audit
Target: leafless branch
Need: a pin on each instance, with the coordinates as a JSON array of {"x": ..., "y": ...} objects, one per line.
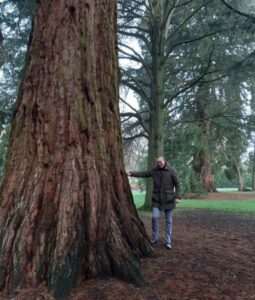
[
  {"x": 139, "y": 135},
  {"x": 138, "y": 88},
  {"x": 194, "y": 81},
  {"x": 238, "y": 11},
  {"x": 187, "y": 19},
  {"x": 136, "y": 115}
]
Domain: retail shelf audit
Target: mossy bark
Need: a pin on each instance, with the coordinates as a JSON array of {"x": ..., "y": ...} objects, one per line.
[{"x": 66, "y": 209}]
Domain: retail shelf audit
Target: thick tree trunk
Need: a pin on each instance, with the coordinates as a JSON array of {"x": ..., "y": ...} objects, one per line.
[
  {"x": 206, "y": 175},
  {"x": 253, "y": 169},
  {"x": 202, "y": 160},
  {"x": 239, "y": 177},
  {"x": 202, "y": 169},
  {"x": 66, "y": 207},
  {"x": 156, "y": 128},
  {"x": 155, "y": 148},
  {"x": 206, "y": 171},
  {"x": 149, "y": 184}
]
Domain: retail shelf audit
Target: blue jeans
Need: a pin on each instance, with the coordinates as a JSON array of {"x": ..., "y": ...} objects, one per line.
[{"x": 168, "y": 224}]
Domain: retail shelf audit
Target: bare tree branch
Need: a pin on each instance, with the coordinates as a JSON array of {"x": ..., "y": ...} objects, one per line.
[
  {"x": 238, "y": 11},
  {"x": 138, "y": 88},
  {"x": 135, "y": 136},
  {"x": 167, "y": 20},
  {"x": 132, "y": 27},
  {"x": 193, "y": 82},
  {"x": 136, "y": 115},
  {"x": 136, "y": 35},
  {"x": 137, "y": 57},
  {"x": 187, "y": 19},
  {"x": 189, "y": 41}
]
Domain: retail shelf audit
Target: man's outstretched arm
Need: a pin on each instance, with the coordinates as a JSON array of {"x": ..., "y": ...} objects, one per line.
[{"x": 139, "y": 174}]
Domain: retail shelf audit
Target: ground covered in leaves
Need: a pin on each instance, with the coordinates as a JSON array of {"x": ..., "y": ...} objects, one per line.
[{"x": 213, "y": 257}]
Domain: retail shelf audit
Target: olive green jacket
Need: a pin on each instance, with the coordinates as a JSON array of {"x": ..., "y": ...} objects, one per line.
[{"x": 166, "y": 186}]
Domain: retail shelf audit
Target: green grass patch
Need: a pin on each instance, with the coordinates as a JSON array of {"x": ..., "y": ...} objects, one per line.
[
  {"x": 230, "y": 205},
  {"x": 138, "y": 198},
  {"x": 242, "y": 206},
  {"x": 225, "y": 190}
]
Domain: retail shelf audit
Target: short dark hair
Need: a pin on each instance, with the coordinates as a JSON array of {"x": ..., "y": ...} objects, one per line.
[{"x": 160, "y": 156}]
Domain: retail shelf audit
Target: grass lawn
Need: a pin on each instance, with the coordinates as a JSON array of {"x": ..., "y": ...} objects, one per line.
[
  {"x": 227, "y": 190},
  {"x": 229, "y": 205},
  {"x": 138, "y": 198}
]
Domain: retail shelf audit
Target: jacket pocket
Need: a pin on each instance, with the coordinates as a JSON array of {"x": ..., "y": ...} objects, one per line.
[
  {"x": 170, "y": 196},
  {"x": 155, "y": 196}
]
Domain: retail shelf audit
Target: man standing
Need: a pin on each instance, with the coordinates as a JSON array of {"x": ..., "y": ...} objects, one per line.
[{"x": 166, "y": 192}]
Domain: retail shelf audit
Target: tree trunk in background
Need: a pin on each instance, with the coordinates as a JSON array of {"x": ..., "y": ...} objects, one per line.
[
  {"x": 155, "y": 147},
  {"x": 253, "y": 169},
  {"x": 206, "y": 171},
  {"x": 2, "y": 54},
  {"x": 66, "y": 207},
  {"x": 203, "y": 173},
  {"x": 236, "y": 141},
  {"x": 156, "y": 126},
  {"x": 239, "y": 177},
  {"x": 202, "y": 162}
]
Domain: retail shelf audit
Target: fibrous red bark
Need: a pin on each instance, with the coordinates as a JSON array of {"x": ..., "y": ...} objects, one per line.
[
  {"x": 202, "y": 160},
  {"x": 66, "y": 206}
]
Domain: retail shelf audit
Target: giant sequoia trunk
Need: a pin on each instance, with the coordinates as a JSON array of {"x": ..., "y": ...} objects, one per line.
[{"x": 66, "y": 207}]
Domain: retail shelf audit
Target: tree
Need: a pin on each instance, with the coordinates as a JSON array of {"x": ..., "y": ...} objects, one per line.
[
  {"x": 202, "y": 157},
  {"x": 15, "y": 17},
  {"x": 245, "y": 8},
  {"x": 1, "y": 49},
  {"x": 66, "y": 209},
  {"x": 252, "y": 129},
  {"x": 252, "y": 159},
  {"x": 162, "y": 27},
  {"x": 201, "y": 44}
]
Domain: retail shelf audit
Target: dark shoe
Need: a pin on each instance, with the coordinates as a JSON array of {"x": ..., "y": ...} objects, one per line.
[
  {"x": 168, "y": 246},
  {"x": 153, "y": 241}
]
